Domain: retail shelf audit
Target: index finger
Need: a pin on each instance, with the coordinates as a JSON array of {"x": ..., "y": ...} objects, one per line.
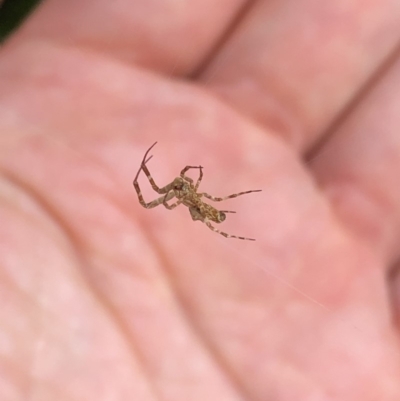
[{"x": 167, "y": 35}]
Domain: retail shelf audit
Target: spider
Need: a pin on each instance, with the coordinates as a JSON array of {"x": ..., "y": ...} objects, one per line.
[{"x": 185, "y": 191}]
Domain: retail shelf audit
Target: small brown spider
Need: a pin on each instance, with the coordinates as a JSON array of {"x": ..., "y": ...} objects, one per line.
[{"x": 185, "y": 191}]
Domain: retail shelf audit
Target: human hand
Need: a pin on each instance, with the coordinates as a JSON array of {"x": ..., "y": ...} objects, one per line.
[{"x": 103, "y": 299}]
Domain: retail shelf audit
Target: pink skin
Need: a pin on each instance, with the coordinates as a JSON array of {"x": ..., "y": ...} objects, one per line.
[{"x": 103, "y": 299}]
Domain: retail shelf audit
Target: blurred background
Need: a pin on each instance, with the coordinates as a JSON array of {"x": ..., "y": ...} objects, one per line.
[{"x": 12, "y": 13}]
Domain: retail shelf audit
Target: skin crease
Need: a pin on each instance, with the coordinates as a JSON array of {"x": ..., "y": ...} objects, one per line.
[{"x": 105, "y": 300}]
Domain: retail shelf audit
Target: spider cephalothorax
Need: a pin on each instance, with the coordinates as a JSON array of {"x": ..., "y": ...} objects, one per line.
[{"x": 185, "y": 191}]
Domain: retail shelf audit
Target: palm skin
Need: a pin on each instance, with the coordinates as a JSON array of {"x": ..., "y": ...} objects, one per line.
[{"x": 103, "y": 299}]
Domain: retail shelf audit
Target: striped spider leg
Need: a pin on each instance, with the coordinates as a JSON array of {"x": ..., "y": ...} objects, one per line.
[
  {"x": 184, "y": 190},
  {"x": 222, "y": 212},
  {"x": 177, "y": 188}
]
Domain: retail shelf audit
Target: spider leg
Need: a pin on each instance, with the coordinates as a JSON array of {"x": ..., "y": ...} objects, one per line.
[
  {"x": 155, "y": 202},
  {"x": 151, "y": 204},
  {"x": 217, "y": 199},
  {"x": 195, "y": 213},
  {"x": 211, "y": 227},
  {"x": 189, "y": 179},
  {"x": 143, "y": 167},
  {"x": 144, "y": 160},
  {"x": 155, "y": 187},
  {"x": 167, "y": 197},
  {"x": 140, "y": 169}
]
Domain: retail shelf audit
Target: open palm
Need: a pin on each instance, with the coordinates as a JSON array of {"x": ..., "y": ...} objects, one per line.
[{"x": 105, "y": 300}]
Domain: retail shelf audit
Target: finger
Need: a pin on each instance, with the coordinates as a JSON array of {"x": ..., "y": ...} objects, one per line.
[
  {"x": 170, "y": 36},
  {"x": 359, "y": 168},
  {"x": 295, "y": 68}
]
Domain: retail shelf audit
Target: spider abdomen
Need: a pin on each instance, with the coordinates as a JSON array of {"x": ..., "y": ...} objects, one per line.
[{"x": 211, "y": 213}]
